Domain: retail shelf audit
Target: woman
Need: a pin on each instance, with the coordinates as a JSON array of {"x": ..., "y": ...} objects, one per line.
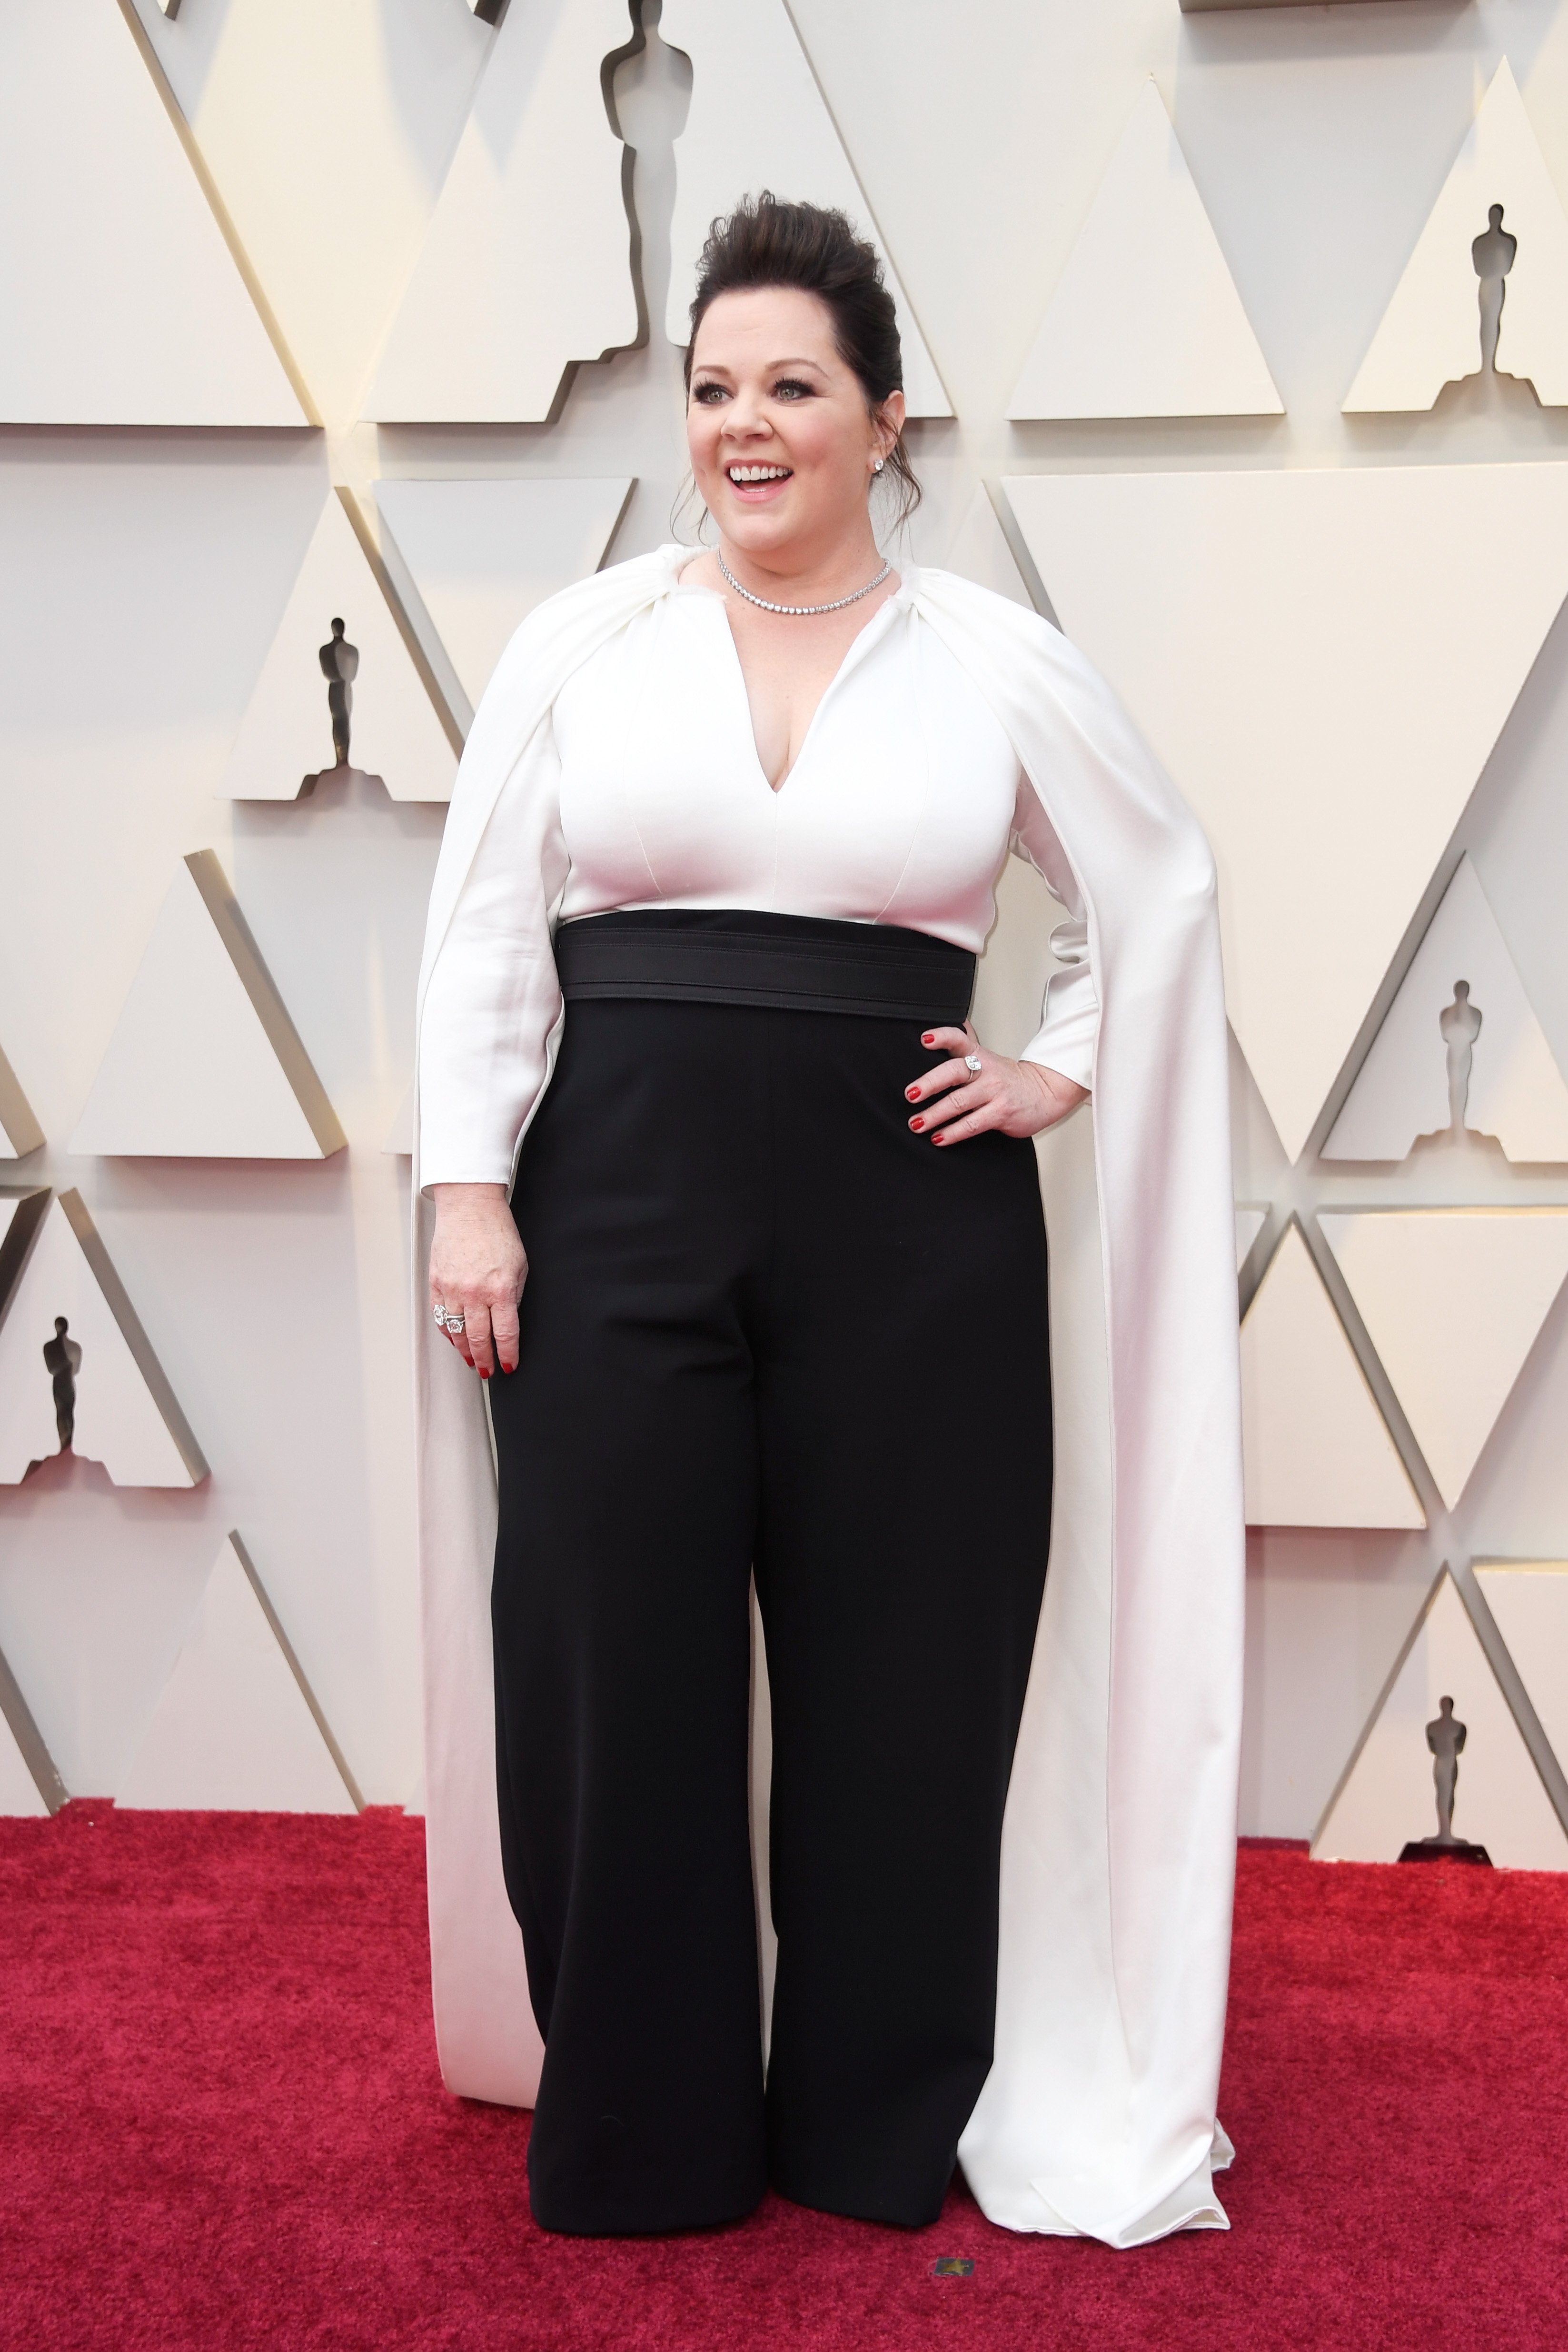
[{"x": 769, "y": 1297}]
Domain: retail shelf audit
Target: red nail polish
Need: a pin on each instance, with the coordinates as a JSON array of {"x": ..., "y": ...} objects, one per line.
[
  {"x": 912, "y": 1094},
  {"x": 929, "y": 1038},
  {"x": 917, "y": 1124}
]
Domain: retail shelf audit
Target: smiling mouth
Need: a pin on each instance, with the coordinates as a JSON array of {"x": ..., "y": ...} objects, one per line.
[{"x": 750, "y": 478}]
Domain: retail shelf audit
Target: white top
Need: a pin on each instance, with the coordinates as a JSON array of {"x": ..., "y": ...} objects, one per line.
[{"x": 645, "y": 790}]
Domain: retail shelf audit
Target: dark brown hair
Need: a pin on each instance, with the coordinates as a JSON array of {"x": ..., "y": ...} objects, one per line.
[{"x": 764, "y": 242}]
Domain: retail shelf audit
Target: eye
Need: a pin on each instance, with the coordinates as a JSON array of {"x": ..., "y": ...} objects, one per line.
[
  {"x": 789, "y": 387},
  {"x": 709, "y": 394}
]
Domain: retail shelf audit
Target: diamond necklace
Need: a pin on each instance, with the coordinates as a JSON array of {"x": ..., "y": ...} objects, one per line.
[{"x": 802, "y": 611}]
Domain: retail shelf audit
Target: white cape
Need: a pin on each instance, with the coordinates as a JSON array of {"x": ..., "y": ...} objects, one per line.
[{"x": 1118, "y": 1853}]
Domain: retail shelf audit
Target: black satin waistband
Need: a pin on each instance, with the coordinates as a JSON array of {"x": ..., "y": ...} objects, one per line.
[{"x": 803, "y": 964}]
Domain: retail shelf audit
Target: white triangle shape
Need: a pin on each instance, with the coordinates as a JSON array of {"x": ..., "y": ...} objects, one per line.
[
  {"x": 21, "y": 1213},
  {"x": 1516, "y": 1090},
  {"x": 204, "y": 1063},
  {"x": 9, "y": 1204},
  {"x": 284, "y": 739},
  {"x": 1453, "y": 1300},
  {"x": 30, "y": 1787},
  {"x": 1387, "y": 1799},
  {"x": 1316, "y": 1450},
  {"x": 1529, "y": 1600},
  {"x": 1145, "y": 319},
  {"x": 19, "y": 1130},
  {"x": 1430, "y": 333},
  {"x": 1249, "y": 1223},
  {"x": 758, "y": 120},
  {"x": 234, "y": 1728},
  {"x": 19, "y": 1795},
  {"x": 526, "y": 266},
  {"x": 1323, "y": 660},
  {"x": 980, "y": 552},
  {"x": 126, "y": 1415},
  {"x": 122, "y": 304},
  {"x": 482, "y": 554}
]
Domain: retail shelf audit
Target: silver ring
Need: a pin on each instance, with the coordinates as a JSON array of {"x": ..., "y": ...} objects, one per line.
[
  {"x": 454, "y": 1323},
  {"x": 972, "y": 1061},
  {"x": 440, "y": 1314}
]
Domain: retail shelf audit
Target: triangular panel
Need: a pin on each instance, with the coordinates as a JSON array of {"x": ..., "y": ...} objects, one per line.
[
  {"x": 1249, "y": 1223},
  {"x": 236, "y": 1727},
  {"x": 482, "y": 554},
  {"x": 288, "y": 737},
  {"x": 980, "y": 552},
  {"x": 1316, "y": 1449},
  {"x": 1387, "y": 1798},
  {"x": 1529, "y": 1600},
  {"x": 19, "y": 1130},
  {"x": 1145, "y": 319},
  {"x": 526, "y": 266},
  {"x": 1431, "y": 331},
  {"x": 97, "y": 1379},
  {"x": 18, "y": 1790},
  {"x": 1452, "y": 1300},
  {"x": 1323, "y": 660},
  {"x": 121, "y": 302},
  {"x": 204, "y": 1062},
  {"x": 758, "y": 120},
  {"x": 29, "y": 1782},
  {"x": 21, "y": 1214},
  {"x": 1511, "y": 1086}
]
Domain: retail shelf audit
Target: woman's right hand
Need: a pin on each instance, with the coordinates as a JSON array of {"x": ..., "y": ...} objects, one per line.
[{"x": 477, "y": 1270}]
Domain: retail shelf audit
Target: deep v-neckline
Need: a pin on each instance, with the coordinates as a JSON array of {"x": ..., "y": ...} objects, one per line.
[{"x": 854, "y": 652}]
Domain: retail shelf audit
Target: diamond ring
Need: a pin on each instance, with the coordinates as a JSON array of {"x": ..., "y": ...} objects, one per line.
[{"x": 972, "y": 1061}]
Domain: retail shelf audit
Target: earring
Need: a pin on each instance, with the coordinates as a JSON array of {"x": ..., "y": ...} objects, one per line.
[{"x": 877, "y": 465}]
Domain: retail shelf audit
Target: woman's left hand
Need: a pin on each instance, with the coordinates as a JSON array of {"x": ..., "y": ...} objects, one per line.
[{"x": 1018, "y": 1098}]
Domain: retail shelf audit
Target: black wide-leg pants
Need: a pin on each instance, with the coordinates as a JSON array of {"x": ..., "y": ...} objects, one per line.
[{"x": 766, "y": 1329}]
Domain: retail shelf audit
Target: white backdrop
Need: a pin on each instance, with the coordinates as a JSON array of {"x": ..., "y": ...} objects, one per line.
[{"x": 143, "y": 573}]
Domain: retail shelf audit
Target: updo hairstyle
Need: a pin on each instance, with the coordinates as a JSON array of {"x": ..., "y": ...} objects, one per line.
[{"x": 764, "y": 242}]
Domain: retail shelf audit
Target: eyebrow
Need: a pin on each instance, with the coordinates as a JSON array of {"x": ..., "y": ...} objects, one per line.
[{"x": 717, "y": 367}]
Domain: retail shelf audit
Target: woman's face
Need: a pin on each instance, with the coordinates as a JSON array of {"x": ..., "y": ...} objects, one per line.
[{"x": 782, "y": 444}]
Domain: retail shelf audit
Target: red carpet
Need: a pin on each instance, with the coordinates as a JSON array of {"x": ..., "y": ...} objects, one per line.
[{"x": 221, "y": 2125}]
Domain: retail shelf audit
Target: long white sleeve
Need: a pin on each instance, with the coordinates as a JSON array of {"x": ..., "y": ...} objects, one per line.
[
  {"x": 494, "y": 1002},
  {"x": 1070, "y": 1025}
]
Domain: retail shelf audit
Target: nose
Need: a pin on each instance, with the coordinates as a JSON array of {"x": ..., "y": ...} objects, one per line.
[{"x": 744, "y": 420}]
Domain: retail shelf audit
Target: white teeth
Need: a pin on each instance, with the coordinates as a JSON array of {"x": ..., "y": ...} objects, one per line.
[{"x": 759, "y": 473}]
